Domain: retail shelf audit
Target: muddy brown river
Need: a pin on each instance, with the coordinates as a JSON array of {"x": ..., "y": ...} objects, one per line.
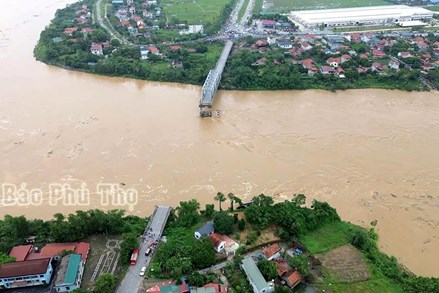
[{"x": 373, "y": 154}]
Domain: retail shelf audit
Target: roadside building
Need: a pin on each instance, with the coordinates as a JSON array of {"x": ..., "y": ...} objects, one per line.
[
  {"x": 70, "y": 273},
  {"x": 210, "y": 288},
  {"x": 218, "y": 242},
  {"x": 272, "y": 252},
  {"x": 372, "y": 15},
  {"x": 205, "y": 230},
  {"x": 255, "y": 278},
  {"x": 26, "y": 273}
]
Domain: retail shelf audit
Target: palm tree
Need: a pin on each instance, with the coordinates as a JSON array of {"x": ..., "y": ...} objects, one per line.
[
  {"x": 232, "y": 200},
  {"x": 220, "y": 198}
]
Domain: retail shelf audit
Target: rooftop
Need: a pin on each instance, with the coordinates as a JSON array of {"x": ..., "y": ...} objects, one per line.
[
  {"x": 206, "y": 229},
  {"x": 271, "y": 250},
  {"x": 20, "y": 252},
  {"x": 254, "y": 274},
  {"x": 68, "y": 269},
  {"x": 24, "y": 268}
]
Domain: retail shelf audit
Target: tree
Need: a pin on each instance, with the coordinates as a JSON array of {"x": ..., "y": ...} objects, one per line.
[
  {"x": 263, "y": 200},
  {"x": 223, "y": 223},
  {"x": 4, "y": 258},
  {"x": 220, "y": 198},
  {"x": 241, "y": 225},
  {"x": 129, "y": 243},
  {"x": 209, "y": 210},
  {"x": 300, "y": 263},
  {"x": 106, "y": 283},
  {"x": 187, "y": 213},
  {"x": 115, "y": 43},
  {"x": 268, "y": 269},
  {"x": 231, "y": 197}
]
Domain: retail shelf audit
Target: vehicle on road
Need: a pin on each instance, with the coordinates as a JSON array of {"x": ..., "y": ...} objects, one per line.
[
  {"x": 134, "y": 256},
  {"x": 142, "y": 271}
]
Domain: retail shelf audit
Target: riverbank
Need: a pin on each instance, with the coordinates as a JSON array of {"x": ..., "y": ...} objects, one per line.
[{"x": 255, "y": 64}]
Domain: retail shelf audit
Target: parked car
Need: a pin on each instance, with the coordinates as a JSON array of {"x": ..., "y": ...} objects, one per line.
[{"x": 142, "y": 271}]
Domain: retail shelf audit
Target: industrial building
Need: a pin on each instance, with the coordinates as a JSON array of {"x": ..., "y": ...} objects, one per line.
[{"x": 374, "y": 15}]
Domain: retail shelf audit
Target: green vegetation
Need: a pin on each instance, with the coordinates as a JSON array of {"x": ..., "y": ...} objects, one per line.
[
  {"x": 224, "y": 223},
  {"x": 326, "y": 238},
  {"x": 257, "y": 9},
  {"x": 74, "y": 227},
  {"x": 236, "y": 277},
  {"x": 130, "y": 241},
  {"x": 220, "y": 198},
  {"x": 106, "y": 283},
  {"x": 289, "y": 5},
  {"x": 182, "y": 254},
  {"x": 193, "y": 12},
  {"x": 300, "y": 263},
  {"x": 4, "y": 258},
  {"x": 268, "y": 269}
]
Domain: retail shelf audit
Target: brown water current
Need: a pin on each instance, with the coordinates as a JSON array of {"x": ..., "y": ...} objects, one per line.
[{"x": 373, "y": 154}]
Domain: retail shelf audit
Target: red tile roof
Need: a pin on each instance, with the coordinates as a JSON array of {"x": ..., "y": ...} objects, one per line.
[
  {"x": 282, "y": 267},
  {"x": 271, "y": 250},
  {"x": 268, "y": 22},
  {"x": 216, "y": 239},
  {"x": 24, "y": 268},
  {"x": 218, "y": 288},
  {"x": 52, "y": 249},
  {"x": 83, "y": 248},
  {"x": 20, "y": 252},
  {"x": 294, "y": 278}
]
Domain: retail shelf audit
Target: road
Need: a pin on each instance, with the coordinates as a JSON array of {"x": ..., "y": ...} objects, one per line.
[
  {"x": 110, "y": 29},
  {"x": 153, "y": 232}
]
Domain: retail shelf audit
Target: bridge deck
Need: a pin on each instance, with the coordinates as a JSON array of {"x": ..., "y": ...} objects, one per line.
[{"x": 212, "y": 82}]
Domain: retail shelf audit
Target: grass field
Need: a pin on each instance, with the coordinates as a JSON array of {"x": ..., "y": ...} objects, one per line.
[
  {"x": 326, "y": 238},
  {"x": 242, "y": 10},
  {"x": 432, "y": 7},
  {"x": 288, "y": 5},
  {"x": 193, "y": 11}
]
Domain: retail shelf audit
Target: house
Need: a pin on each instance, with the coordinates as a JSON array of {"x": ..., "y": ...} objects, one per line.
[
  {"x": 70, "y": 30},
  {"x": 426, "y": 57},
  {"x": 153, "y": 49},
  {"x": 268, "y": 24},
  {"x": 306, "y": 46},
  {"x": 362, "y": 69},
  {"x": 334, "y": 62},
  {"x": 26, "y": 273},
  {"x": 20, "y": 252},
  {"x": 345, "y": 58},
  {"x": 133, "y": 30},
  {"x": 177, "y": 64},
  {"x": 377, "y": 67},
  {"x": 378, "y": 54},
  {"x": 210, "y": 288},
  {"x": 393, "y": 64},
  {"x": 255, "y": 278},
  {"x": 284, "y": 43},
  {"x": 86, "y": 30},
  {"x": 422, "y": 45},
  {"x": 175, "y": 48},
  {"x": 146, "y": 13},
  {"x": 69, "y": 276},
  {"x": 217, "y": 241},
  {"x": 54, "y": 250},
  {"x": 363, "y": 56},
  {"x": 152, "y": 2},
  {"x": 132, "y": 10},
  {"x": 326, "y": 70},
  {"x": 272, "y": 252},
  {"x": 97, "y": 49},
  {"x": 260, "y": 61},
  {"x": 205, "y": 230},
  {"x": 282, "y": 268},
  {"x": 169, "y": 287},
  {"x": 144, "y": 50},
  {"x": 309, "y": 64},
  {"x": 340, "y": 72},
  {"x": 404, "y": 54},
  {"x": 261, "y": 43},
  {"x": 293, "y": 278},
  {"x": 193, "y": 29}
]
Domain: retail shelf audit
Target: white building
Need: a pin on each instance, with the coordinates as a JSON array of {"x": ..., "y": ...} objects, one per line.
[
  {"x": 373, "y": 15},
  {"x": 26, "y": 273},
  {"x": 255, "y": 278},
  {"x": 69, "y": 276}
]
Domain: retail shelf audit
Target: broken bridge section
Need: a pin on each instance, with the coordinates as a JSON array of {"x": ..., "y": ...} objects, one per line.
[{"x": 213, "y": 79}]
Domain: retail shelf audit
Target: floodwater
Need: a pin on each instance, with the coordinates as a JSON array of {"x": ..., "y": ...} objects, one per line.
[{"x": 373, "y": 154}]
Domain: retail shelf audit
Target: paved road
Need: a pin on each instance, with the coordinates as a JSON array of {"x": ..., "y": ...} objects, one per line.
[{"x": 153, "y": 232}]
